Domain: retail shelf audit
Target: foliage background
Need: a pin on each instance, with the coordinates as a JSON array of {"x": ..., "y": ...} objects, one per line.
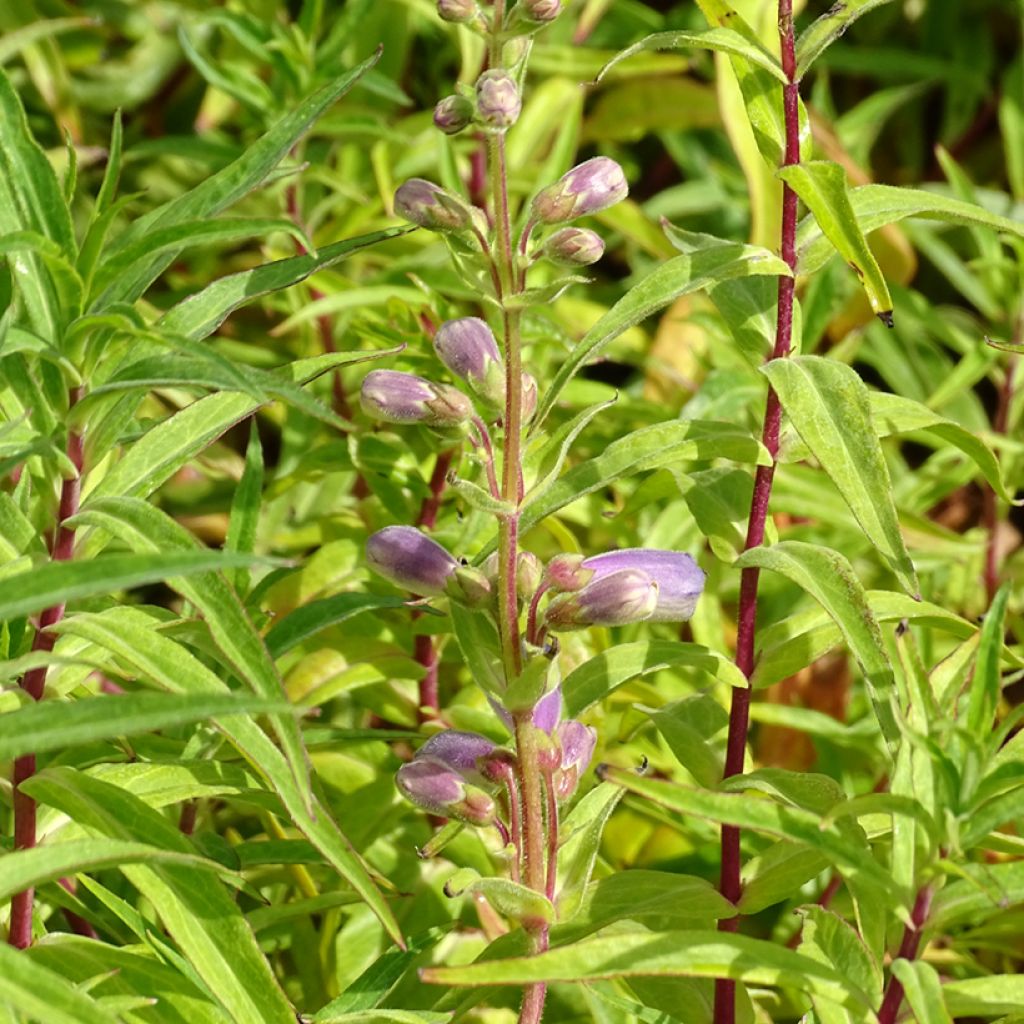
[{"x": 915, "y": 93}]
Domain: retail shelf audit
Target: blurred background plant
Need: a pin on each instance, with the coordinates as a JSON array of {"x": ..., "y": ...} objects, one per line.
[{"x": 923, "y": 94}]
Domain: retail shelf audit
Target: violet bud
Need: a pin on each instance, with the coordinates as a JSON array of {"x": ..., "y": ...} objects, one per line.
[
  {"x": 433, "y": 786},
  {"x": 396, "y": 397},
  {"x": 457, "y": 11},
  {"x": 430, "y": 206},
  {"x": 540, "y": 11},
  {"x": 629, "y": 595},
  {"x": 410, "y": 559},
  {"x": 497, "y": 100},
  {"x": 467, "y": 347},
  {"x": 577, "y": 742},
  {"x": 680, "y": 580},
  {"x": 588, "y": 188},
  {"x": 563, "y": 572},
  {"x": 458, "y": 750},
  {"x": 453, "y": 114},
  {"x": 574, "y": 247}
]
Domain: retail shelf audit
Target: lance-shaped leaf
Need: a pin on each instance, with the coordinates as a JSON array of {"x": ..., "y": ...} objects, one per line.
[
  {"x": 679, "y": 276},
  {"x": 826, "y": 29},
  {"x": 829, "y": 578},
  {"x": 725, "y": 40},
  {"x": 821, "y": 184},
  {"x": 923, "y": 991},
  {"x": 830, "y": 406},
  {"x": 511, "y": 899}
]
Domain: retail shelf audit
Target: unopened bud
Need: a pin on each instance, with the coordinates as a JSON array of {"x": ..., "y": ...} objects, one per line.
[
  {"x": 529, "y": 571},
  {"x": 680, "y": 580},
  {"x": 433, "y": 786},
  {"x": 497, "y": 100},
  {"x": 396, "y": 397},
  {"x": 467, "y": 347},
  {"x": 540, "y": 11},
  {"x": 430, "y": 206},
  {"x": 564, "y": 572},
  {"x": 574, "y": 247},
  {"x": 453, "y": 114},
  {"x": 614, "y": 600},
  {"x": 457, "y": 11},
  {"x": 410, "y": 559},
  {"x": 588, "y": 188},
  {"x": 461, "y": 751}
]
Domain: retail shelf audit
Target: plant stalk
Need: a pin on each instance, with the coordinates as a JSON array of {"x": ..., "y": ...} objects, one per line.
[
  {"x": 33, "y": 682},
  {"x": 908, "y": 950},
  {"x": 739, "y": 712}
]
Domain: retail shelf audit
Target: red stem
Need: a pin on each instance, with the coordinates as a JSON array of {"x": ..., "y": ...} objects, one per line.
[
  {"x": 33, "y": 682},
  {"x": 908, "y": 950},
  {"x": 739, "y": 714}
]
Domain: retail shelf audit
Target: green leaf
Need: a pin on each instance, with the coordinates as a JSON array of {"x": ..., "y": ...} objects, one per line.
[
  {"x": 679, "y": 276},
  {"x": 383, "y": 1017},
  {"x": 725, "y": 40},
  {"x": 828, "y": 938},
  {"x": 508, "y": 898},
  {"x": 986, "y": 684},
  {"x": 922, "y": 990},
  {"x": 987, "y": 996},
  {"x": 133, "y": 637},
  {"x": 601, "y": 674},
  {"x": 821, "y": 184},
  {"x": 777, "y": 874},
  {"x": 831, "y": 410},
  {"x": 686, "y": 727},
  {"x": 52, "y": 725},
  {"x": 768, "y": 817},
  {"x": 894, "y": 414},
  {"x": 42, "y": 994},
  {"x": 56, "y": 583},
  {"x": 694, "y": 954},
  {"x": 827, "y": 28},
  {"x": 227, "y": 186},
  {"x": 17, "y": 39},
  {"x": 196, "y": 909},
  {"x": 245, "y": 507},
  {"x": 201, "y": 314},
  {"x": 829, "y": 578},
  {"x": 1011, "y": 124},
  {"x": 26, "y": 869},
  {"x": 874, "y": 206}
]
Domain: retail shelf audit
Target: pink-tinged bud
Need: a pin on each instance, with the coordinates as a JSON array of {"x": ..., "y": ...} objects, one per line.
[
  {"x": 614, "y": 600},
  {"x": 529, "y": 397},
  {"x": 433, "y": 786},
  {"x": 453, "y": 114},
  {"x": 457, "y": 11},
  {"x": 430, "y": 206},
  {"x": 680, "y": 580},
  {"x": 564, "y": 572},
  {"x": 458, "y": 750},
  {"x": 588, "y": 188},
  {"x": 497, "y": 100},
  {"x": 540, "y": 11},
  {"x": 577, "y": 742},
  {"x": 529, "y": 572},
  {"x": 410, "y": 559},
  {"x": 467, "y": 347},
  {"x": 396, "y": 397},
  {"x": 574, "y": 247}
]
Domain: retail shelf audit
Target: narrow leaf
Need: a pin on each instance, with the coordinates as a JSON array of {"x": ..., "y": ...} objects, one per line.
[{"x": 827, "y": 28}]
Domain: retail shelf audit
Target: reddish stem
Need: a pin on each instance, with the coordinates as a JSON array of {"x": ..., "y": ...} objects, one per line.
[
  {"x": 908, "y": 950},
  {"x": 33, "y": 682},
  {"x": 739, "y": 714}
]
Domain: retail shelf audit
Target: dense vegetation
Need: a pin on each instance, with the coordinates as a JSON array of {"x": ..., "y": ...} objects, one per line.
[{"x": 508, "y": 511}]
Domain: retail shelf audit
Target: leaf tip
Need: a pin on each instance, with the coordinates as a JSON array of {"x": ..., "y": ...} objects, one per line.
[{"x": 886, "y": 317}]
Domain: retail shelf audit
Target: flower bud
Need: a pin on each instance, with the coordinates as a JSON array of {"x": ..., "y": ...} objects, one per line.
[
  {"x": 564, "y": 572},
  {"x": 396, "y": 397},
  {"x": 497, "y": 100},
  {"x": 680, "y": 580},
  {"x": 453, "y": 114},
  {"x": 467, "y": 347},
  {"x": 588, "y": 188},
  {"x": 470, "y": 587},
  {"x": 529, "y": 571},
  {"x": 577, "y": 742},
  {"x": 430, "y": 206},
  {"x": 458, "y": 750},
  {"x": 540, "y": 11},
  {"x": 457, "y": 11},
  {"x": 574, "y": 247},
  {"x": 433, "y": 786},
  {"x": 613, "y": 600},
  {"x": 410, "y": 559}
]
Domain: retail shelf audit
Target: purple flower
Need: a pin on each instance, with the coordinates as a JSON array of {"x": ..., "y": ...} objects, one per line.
[
  {"x": 546, "y": 715},
  {"x": 433, "y": 786},
  {"x": 410, "y": 559},
  {"x": 679, "y": 579},
  {"x": 614, "y": 599},
  {"x": 430, "y": 206},
  {"x": 452, "y": 114},
  {"x": 467, "y": 347},
  {"x": 457, "y": 11},
  {"x": 590, "y": 187},
  {"x": 497, "y": 100},
  {"x": 396, "y": 397},
  {"x": 574, "y": 247},
  {"x": 577, "y": 742},
  {"x": 460, "y": 751}
]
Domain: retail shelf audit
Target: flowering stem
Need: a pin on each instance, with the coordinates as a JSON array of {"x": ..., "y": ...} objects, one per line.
[
  {"x": 739, "y": 714},
  {"x": 908, "y": 950},
  {"x": 20, "y": 930}
]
